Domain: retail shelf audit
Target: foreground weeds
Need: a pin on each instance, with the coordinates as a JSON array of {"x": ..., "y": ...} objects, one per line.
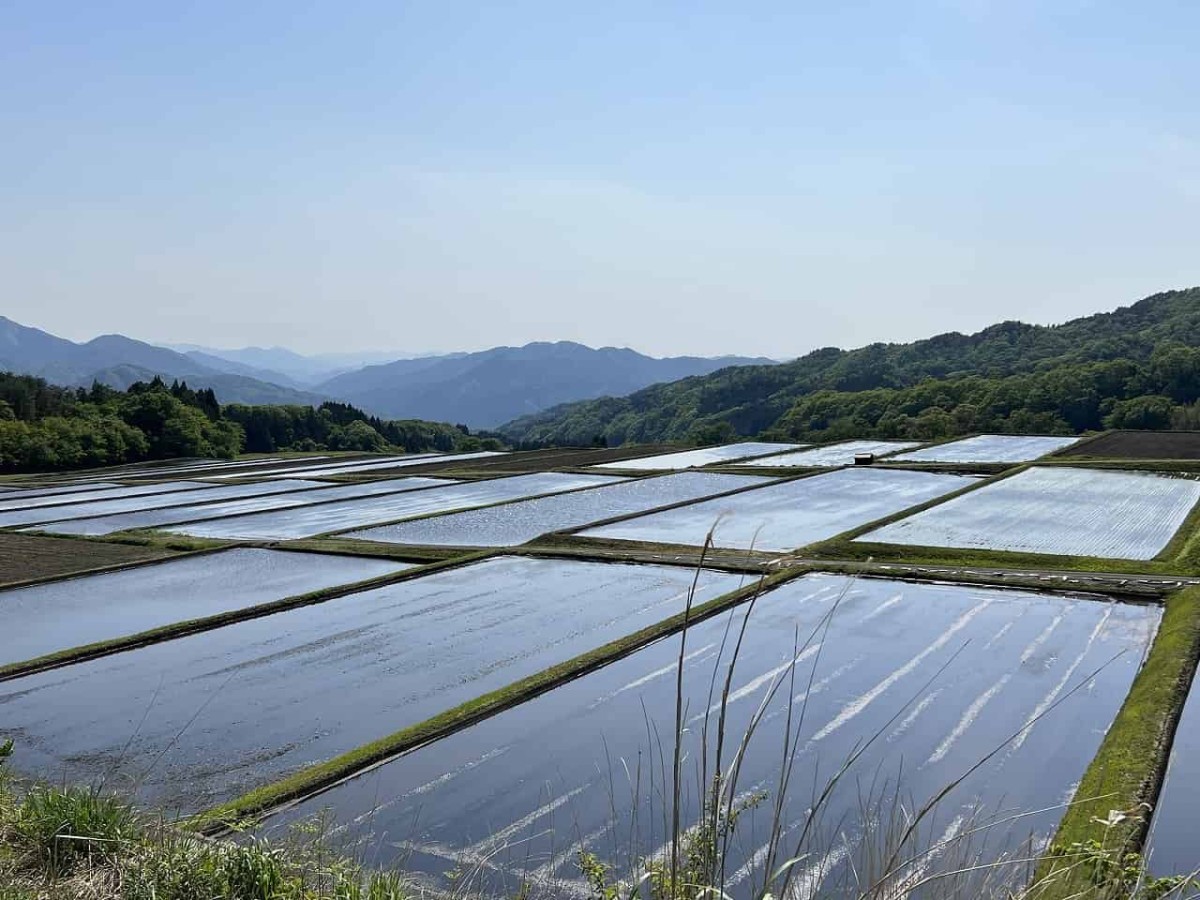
[{"x": 78, "y": 843}]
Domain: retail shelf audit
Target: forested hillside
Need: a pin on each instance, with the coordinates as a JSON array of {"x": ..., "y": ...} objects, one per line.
[
  {"x": 1136, "y": 367},
  {"x": 44, "y": 427}
]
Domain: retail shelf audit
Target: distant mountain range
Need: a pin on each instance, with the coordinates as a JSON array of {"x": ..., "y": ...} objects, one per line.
[
  {"x": 481, "y": 390},
  {"x": 119, "y": 361},
  {"x": 491, "y": 387}
]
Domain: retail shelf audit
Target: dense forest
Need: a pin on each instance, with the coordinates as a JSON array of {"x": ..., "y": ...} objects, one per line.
[
  {"x": 44, "y": 427},
  {"x": 1136, "y": 367}
]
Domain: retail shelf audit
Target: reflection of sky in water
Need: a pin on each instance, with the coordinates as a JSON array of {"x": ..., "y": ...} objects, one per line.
[
  {"x": 272, "y": 694},
  {"x": 792, "y": 514},
  {"x": 1080, "y": 512},
  {"x": 925, "y": 679}
]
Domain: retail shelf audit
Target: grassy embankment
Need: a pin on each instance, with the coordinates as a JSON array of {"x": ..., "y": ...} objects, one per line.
[
  {"x": 83, "y": 844},
  {"x": 1110, "y": 816}
]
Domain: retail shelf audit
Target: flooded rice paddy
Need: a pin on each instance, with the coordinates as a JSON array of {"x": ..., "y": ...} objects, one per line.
[
  {"x": 257, "y": 492},
  {"x": 13, "y": 493},
  {"x": 200, "y": 719},
  {"x": 419, "y": 459},
  {"x": 313, "y": 466},
  {"x": 342, "y": 516},
  {"x": 689, "y": 459},
  {"x": 990, "y": 448},
  {"x": 286, "y": 498},
  {"x": 47, "y": 618},
  {"x": 1172, "y": 847},
  {"x": 791, "y": 514},
  {"x": 907, "y": 685},
  {"x": 75, "y": 496},
  {"x": 1069, "y": 511},
  {"x": 832, "y": 455},
  {"x": 512, "y": 524}
]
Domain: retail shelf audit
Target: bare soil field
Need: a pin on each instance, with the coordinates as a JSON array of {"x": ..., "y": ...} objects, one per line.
[
  {"x": 27, "y": 556},
  {"x": 1140, "y": 445}
]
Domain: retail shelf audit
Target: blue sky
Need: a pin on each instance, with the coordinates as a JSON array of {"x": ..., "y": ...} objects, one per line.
[{"x": 679, "y": 178}]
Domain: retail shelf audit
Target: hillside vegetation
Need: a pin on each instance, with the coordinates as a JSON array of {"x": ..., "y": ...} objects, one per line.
[
  {"x": 1136, "y": 367},
  {"x": 45, "y": 428}
]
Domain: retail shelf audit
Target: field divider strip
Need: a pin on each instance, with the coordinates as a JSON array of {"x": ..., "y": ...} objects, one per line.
[
  {"x": 911, "y": 554},
  {"x": 1130, "y": 766},
  {"x": 318, "y": 778},
  {"x": 186, "y": 628}
]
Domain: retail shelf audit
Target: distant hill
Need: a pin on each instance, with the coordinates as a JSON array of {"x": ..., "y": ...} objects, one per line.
[
  {"x": 118, "y": 361},
  {"x": 479, "y": 390},
  {"x": 1137, "y": 367},
  {"x": 484, "y": 389},
  {"x": 281, "y": 365}
]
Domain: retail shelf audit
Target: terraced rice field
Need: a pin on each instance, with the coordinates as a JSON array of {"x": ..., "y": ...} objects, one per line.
[
  {"x": 915, "y": 682},
  {"x": 517, "y": 523},
  {"x": 345, "y": 515},
  {"x": 28, "y": 556},
  {"x": 373, "y": 466},
  {"x": 1141, "y": 445},
  {"x": 181, "y": 493},
  {"x": 290, "y": 496},
  {"x": 257, "y": 492},
  {"x": 706, "y": 456},
  {"x": 790, "y": 514},
  {"x": 1068, "y": 511},
  {"x": 989, "y": 448},
  {"x": 832, "y": 455},
  {"x": 1172, "y": 848},
  {"x": 48, "y": 618},
  {"x": 923, "y": 680},
  {"x": 77, "y": 497},
  {"x": 14, "y": 493},
  {"x": 202, "y": 718}
]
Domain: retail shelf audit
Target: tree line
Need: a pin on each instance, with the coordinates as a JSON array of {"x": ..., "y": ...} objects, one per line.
[{"x": 44, "y": 427}]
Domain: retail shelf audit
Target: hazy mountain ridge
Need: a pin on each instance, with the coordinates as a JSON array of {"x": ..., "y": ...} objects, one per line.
[
  {"x": 118, "y": 361},
  {"x": 480, "y": 389},
  {"x": 487, "y": 388}
]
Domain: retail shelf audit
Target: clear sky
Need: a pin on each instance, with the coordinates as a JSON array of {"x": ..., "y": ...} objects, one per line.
[{"x": 758, "y": 178}]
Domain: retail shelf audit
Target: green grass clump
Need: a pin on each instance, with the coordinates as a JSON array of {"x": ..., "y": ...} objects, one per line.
[
  {"x": 78, "y": 843},
  {"x": 64, "y": 828}
]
